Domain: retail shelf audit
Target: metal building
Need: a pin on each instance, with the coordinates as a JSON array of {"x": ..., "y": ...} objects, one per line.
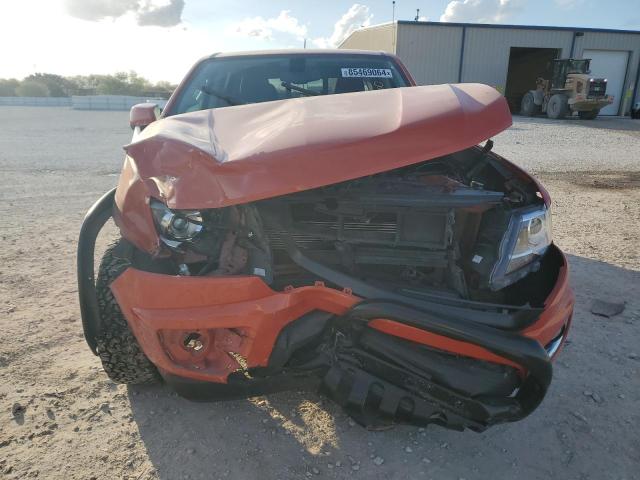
[{"x": 509, "y": 57}]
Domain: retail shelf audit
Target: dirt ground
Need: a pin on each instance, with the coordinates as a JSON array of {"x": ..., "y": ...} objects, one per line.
[{"x": 60, "y": 417}]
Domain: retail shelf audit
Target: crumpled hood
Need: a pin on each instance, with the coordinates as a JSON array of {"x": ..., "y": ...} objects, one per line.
[{"x": 233, "y": 155}]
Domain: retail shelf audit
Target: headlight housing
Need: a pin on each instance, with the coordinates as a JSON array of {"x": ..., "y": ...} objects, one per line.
[
  {"x": 532, "y": 239},
  {"x": 175, "y": 226},
  {"x": 521, "y": 237}
]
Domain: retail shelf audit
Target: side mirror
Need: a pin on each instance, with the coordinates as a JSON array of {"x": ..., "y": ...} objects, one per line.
[{"x": 143, "y": 114}]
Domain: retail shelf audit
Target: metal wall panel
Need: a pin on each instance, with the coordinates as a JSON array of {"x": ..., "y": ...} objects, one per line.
[
  {"x": 378, "y": 38},
  {"x": 432, "y": 54},
  {"x": 486, "y": 52},
  {"x": 615, "y": 41}
]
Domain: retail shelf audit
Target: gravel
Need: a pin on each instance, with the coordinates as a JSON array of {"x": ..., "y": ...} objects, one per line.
[
  {"x": 543, "y": 145},
  {"x": 55, "y": 162}
]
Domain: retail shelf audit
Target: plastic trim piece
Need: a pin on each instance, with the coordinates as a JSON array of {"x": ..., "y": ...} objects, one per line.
[{"x": 93, "y": 222}]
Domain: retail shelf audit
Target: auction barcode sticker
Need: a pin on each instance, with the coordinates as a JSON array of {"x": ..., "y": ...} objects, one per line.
[{"x": 367, "y": 72}]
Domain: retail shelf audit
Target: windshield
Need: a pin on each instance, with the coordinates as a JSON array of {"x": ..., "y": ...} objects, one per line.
[
  {"x": 578, "y": 66},
  {"x": 222, "y": 82}
]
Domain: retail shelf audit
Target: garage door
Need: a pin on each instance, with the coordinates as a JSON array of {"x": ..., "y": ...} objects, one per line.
[{"x": 612, "y": 65}]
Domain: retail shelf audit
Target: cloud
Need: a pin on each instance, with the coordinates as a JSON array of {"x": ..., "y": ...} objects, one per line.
[
  {"x": 357, "y": 16},
  {"x": 481, "y": 11},
  {"x": 260, "y": 27},
  {"x": 162, "y": 13}
]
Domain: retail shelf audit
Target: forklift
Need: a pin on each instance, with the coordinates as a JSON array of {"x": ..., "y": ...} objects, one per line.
[{"x": 570, "y": 90}]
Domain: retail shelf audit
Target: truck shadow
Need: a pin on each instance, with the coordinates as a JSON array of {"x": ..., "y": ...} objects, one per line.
[{"x": 302, "y": 434}]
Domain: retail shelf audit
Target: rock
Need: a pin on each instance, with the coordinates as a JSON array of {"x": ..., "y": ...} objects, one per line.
[
  {"x": 633, "y": 356},
  {"x": 330, "y": 466},
  {"x": 378, "y": 461},
  {"x": 17, "y": 410},
  {"x": 338, "y": 463},
  {"x": 191, "y": 451},
  {"x": 426, "y": 460},
  {"x": 315, "y": 471},
  {"x": 594, "y": 396},
  {"x": 408, "y": 449},
  {"x": 579, "y": 416},
  {"x": 606, "y": 309},
  {"x": 355, "y": 467},
  {"x": 352, "y": 423}
]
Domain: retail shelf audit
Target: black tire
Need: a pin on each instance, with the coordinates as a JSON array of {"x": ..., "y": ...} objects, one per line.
[
  {"x": 588, "y": 114},
  {"x": 122, "y": 358},
  {"x": 528, "y": 106},
  {"x": 558, "y": 106}
]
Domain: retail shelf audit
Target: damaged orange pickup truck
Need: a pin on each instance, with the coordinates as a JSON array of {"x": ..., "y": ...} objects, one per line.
[{"x": 312, "y": 219}]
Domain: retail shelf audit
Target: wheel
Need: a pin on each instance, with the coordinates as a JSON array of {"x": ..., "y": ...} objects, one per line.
[
  {"x": 122, "y": 358},
  {"x": 588, "y": 114},
  {"x": 557, "y": 108},
  {"x": 528, "y": 106}
]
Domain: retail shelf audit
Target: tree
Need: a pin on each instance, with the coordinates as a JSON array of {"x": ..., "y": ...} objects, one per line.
[
  {"x": 8, "y": 87},
  {"x": 32, "y": 88},
  {"x": 120, "y": 83},
  {"x": 58, "y": 86}
]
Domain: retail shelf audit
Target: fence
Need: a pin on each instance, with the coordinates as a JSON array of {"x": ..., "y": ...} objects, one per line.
[
  {"x": 111, "y": 102},
  {"x": 36, "y": 101}
]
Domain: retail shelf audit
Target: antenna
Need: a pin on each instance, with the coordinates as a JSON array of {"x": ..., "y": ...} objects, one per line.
[
  {"x": 417, "y": 14},
  {"x": 393, "y": 11}
]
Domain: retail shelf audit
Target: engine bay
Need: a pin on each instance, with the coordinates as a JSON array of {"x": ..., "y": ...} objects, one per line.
[{"x": 436, "y": 228}]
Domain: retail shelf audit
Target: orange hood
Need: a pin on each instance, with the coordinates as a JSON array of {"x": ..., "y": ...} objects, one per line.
[{"x": 234, "y": 155}]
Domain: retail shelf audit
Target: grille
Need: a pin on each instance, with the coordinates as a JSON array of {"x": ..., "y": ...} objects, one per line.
[
  {"x": 597, "y": 88},
  {"x": 386, "y": 230}
]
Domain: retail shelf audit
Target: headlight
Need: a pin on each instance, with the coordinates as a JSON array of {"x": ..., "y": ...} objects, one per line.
[
  {"x": 533, "y": 238},
  {"x": 175, "y": 226},
  {"x": 510, "y": 244}
]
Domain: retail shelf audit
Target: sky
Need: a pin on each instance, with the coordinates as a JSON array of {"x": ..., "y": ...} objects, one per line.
[{"x": 161, "y": 39}]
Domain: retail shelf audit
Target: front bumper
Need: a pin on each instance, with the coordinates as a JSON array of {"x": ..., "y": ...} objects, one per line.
[
  {"x": 239, "y": 321},
  {"x": 586, "y": 103},
  {"x": 243, "y": 315}
]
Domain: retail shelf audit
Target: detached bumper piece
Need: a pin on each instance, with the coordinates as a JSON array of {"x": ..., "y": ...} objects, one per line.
[{"x": 380, "y": 379}]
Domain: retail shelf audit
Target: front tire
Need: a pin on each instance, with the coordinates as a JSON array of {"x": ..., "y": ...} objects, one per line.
[
  {"x": 588, "y": 114},
  {"x": 121, "y": 356},
  {"x": 558, "y": 107},
  {"x": 528, "y": 106}
]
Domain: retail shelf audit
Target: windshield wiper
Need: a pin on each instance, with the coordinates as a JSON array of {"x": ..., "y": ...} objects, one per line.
[
  {"x": 210, "y": 91},
  {"x": 304, "y": 91}
]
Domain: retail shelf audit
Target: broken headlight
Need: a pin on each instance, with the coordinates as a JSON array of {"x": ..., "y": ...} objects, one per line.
[
  {"x": 175, "y": 226},
  {"x": 521, "y": 237}
]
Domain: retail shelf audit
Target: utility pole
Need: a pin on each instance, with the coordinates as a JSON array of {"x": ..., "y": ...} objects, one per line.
[
  {"x": 393, "y": 26},
  {"x": 305, "y": 43},
  {"x": 417, "y": 14}
]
